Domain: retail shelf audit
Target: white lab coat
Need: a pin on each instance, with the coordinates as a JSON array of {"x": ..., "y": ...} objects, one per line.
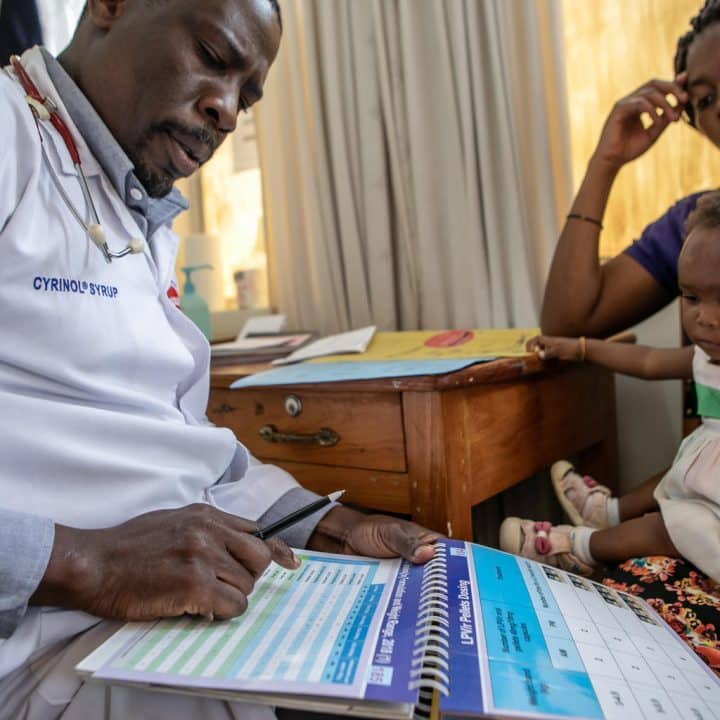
[{"x": 103, "y": 381}]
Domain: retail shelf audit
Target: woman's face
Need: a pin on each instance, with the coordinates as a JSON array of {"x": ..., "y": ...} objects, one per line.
[{"x": 703, "y": 82}]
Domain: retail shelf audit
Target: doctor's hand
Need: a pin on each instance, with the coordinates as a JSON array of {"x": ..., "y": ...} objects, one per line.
[
  {"x": 344, "y": 530},
  {"x": 196, "y": 560}
]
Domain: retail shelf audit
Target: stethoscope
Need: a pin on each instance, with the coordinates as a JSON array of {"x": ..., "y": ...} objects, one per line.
[{"x": 45, "y": 110}]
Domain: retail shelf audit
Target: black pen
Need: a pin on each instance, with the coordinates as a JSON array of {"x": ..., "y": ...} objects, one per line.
[{"x": 297, "y": 516}]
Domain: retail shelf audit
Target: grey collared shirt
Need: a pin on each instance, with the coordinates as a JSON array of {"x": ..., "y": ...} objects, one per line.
[
  {"x": 149, "y": 213},
  {"x": 25, "y": 545}
]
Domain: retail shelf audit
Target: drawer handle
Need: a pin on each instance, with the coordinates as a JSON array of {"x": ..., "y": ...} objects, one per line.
[{"x": 324, "y": 437}]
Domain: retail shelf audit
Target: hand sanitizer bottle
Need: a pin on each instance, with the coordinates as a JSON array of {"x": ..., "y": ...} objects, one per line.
[{"x": 192, "y": 303}]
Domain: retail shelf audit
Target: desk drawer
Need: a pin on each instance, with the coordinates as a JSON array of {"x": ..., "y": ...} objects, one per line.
[
  {"x": 361, "y": 429},
  {"x": 370, "y": 489}
]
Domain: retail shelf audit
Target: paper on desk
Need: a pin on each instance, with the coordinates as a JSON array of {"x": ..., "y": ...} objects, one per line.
[
  {"x": 355, "y": 341},
  {"x": 262, "y": 325},
  {"x": 443, "y": 344},
  {"x": 339, "y": 371},
  {"x": 255, "y": 343}
]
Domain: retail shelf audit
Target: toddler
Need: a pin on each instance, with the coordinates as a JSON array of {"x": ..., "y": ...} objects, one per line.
[{"x": 677, "y": 514}]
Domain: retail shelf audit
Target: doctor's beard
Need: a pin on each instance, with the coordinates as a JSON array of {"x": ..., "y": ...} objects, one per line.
[{"x": 159, "y": 183}]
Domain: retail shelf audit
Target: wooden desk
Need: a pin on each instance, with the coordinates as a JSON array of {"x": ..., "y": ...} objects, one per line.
[{"x": 430, "y": 447}]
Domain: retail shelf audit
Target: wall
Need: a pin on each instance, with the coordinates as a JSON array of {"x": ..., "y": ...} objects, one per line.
[
  {"x": 649, "y": 413},
  {"x": 612, "y": 47}
]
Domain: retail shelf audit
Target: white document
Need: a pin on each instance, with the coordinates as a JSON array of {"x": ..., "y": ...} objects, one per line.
[
  {"x": 262, "y": 325},
  {"x": 355, "y": 341},
  {"x": 271, "y": 346},
  {"x": 246, "y": 344}
]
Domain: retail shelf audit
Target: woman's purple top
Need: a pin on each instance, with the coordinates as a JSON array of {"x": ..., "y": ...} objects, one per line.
[{"x": 658, "y": 248}]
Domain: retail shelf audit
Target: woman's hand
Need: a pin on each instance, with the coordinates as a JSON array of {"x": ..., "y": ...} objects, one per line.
[
  {"x": 562, "y": 348},
  {"x": 624, "y": 138}
]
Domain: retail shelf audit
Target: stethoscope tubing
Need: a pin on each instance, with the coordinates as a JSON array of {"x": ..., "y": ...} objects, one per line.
[{"x": 43, "y": 109}]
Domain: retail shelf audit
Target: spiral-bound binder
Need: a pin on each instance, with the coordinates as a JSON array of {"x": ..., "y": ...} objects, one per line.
[
  {"x": 473, "y": 633},
  {"x": 431, "y": 653}
]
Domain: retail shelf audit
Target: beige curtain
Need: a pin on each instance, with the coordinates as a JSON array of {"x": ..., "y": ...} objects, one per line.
[{"x": 414, "y": 160}]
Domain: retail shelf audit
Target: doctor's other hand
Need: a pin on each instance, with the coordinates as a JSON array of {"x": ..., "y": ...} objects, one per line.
[
  {"x": 562, "y": 348},
  {"x": 196, "y": 560},
  {"x": 344, "y": 530}
]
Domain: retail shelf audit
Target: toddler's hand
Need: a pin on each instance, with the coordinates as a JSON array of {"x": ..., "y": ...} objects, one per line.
[{"x": 547, "y": 347}]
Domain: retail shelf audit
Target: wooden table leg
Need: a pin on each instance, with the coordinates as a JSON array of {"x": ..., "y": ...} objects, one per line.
[
  {"x": 601, "y": 460},
  {"x": 498, "y": 435},
  {"x": 427, "y": 471}
]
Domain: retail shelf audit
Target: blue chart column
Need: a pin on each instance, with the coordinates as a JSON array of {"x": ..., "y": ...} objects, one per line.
[{"x": 532, "y": 661}]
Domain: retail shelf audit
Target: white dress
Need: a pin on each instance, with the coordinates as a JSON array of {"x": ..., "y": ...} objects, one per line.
[{"x": 689, "y": 493}]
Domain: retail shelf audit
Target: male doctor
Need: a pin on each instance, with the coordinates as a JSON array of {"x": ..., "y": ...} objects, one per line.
[{"x": 118, "y": 500}]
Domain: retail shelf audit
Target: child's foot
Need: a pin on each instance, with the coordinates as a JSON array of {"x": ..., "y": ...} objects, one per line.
[
  {"x": 583, "y": 499},
  {"x": 541, "y": 541}
]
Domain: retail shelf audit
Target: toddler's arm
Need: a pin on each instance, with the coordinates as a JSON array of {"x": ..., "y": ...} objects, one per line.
[{"x": 636, "y": 360}]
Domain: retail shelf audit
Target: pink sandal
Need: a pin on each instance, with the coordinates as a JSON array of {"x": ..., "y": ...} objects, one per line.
[
  {"x": 582, "y": 497},
  {"x": 541, "y": 541}
]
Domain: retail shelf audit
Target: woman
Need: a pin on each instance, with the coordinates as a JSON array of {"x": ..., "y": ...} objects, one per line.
[{"x": 583, "y": 297}]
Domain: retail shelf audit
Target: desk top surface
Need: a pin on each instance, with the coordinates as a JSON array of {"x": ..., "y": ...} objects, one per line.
[{"x": 500, "y": 370}]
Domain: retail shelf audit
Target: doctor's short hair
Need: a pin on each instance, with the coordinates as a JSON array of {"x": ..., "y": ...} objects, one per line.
[
  {"x": 706, "y": 214},
  {"x": 275, "y": 4}
]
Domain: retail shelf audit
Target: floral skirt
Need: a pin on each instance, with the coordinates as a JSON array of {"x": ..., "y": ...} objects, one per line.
[{"x": 685, "y": 598}]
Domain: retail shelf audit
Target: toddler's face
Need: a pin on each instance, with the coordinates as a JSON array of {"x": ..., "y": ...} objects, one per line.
[{"x": 699, "y": 279}]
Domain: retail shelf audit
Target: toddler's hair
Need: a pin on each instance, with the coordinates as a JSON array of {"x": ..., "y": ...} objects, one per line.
[
  {"x": 708, "y": 15},
  {"x": 706, "y": 213}
]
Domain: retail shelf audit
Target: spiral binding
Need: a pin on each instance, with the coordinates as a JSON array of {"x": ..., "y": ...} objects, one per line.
[{"x": 430, "y": 664}]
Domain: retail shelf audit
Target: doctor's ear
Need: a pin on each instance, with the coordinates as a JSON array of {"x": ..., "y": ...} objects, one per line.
[{"x": 104, "y": 13}]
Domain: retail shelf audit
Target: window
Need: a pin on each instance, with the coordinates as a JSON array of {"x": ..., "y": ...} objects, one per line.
[{"x": 232, "y": 209}]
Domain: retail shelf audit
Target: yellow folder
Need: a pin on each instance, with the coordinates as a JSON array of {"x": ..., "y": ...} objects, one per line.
[{"x": 441, "y": 344}]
